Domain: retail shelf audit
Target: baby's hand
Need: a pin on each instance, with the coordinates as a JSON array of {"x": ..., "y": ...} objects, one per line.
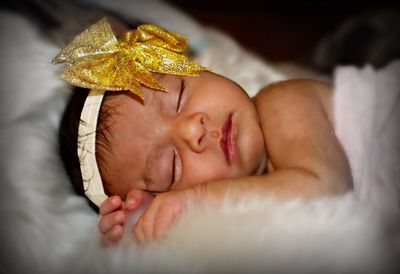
[
  {"x": 112, "y": 219},
  {"x": 165, "y": 209},
  {"x": 114, "y": 213}
]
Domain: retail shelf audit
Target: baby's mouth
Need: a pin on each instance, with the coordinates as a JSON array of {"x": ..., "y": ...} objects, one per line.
[{"x": 226, "y": 141}]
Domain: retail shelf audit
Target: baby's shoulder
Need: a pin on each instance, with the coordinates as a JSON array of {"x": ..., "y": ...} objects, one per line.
[
  {"x": 295, "y": 88},
  {"x": 294, "y": 98}
]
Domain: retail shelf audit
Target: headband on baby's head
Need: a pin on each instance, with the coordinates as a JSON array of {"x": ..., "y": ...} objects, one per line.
[{"x": 97, "y": 60}]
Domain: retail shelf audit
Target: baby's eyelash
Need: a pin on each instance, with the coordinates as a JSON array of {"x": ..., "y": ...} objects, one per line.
[
  {"x": 178, "y": 104},
  {"x": 173, "y": 168},
  {"x": 174, "y": 159}
]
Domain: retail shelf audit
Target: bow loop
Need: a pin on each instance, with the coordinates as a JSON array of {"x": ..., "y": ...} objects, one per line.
[
  {"x": 159, "y": 37},
  {"x": 97, "y": 39},
  {"x": 95, "y": 59}
]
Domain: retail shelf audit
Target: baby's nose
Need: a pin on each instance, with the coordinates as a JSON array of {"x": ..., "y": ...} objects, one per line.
[{"x": 193, "y": 129}]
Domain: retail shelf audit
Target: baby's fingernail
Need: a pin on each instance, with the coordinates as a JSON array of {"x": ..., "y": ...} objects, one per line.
[
  {"x": 131, "y": 202},
  {"x": 114, "y": 200},
  {"x": 118, "y": 217},
  {"x": 116, "y": 231}
]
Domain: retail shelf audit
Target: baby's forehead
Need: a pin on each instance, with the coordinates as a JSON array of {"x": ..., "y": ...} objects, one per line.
[
  {"x": 111, "y": 112},
  {"x": 120, "y": 112},
  {"x": 111, "y": 107},
  {"x": 117, "y": 105}
]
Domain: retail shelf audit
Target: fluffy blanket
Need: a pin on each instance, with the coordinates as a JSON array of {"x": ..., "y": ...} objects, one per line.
[{"x": 45, "y": 228}]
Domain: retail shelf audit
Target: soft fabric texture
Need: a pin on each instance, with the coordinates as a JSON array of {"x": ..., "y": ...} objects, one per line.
[{"x": 45, "y": 228}]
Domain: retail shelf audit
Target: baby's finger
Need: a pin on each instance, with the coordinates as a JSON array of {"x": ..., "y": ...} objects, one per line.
[
  {"x": 163, "y": 221},
  {"x": 144, "y": 227},
  {"x": 138, "y": 232},
  {"x": 110, "y": 204},
  {"x": 113, "y": 236},
  {"x": 107, "y": 222},
  {"x": 135, "y": 198}
]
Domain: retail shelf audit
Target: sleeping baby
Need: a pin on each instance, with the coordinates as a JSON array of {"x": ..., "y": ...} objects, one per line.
[{"x": 154, "y": 127}]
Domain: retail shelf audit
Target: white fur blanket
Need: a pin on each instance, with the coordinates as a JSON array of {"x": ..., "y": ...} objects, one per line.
[{"x": 45, "y": 228}]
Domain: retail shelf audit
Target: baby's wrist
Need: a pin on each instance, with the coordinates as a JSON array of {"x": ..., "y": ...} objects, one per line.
[{"x": 205, "y": 192}]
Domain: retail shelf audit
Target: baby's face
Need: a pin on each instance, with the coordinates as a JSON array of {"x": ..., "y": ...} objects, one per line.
[{"x": 204, "y": 128}]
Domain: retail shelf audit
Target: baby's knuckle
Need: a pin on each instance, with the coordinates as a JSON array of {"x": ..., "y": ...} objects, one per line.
[
  {"x": 101, "y": 225},
  {"x": 139, "y": 234},
  {"x": 138, "y": 230}
]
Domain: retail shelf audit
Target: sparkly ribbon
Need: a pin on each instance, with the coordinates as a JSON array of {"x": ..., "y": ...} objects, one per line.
[{"x": 95, "y": 59}]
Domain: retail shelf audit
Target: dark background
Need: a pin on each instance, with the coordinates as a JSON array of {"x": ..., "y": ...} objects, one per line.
[
  {"x": 288, "y": 30},
  {"x": 349, "y": 32}
]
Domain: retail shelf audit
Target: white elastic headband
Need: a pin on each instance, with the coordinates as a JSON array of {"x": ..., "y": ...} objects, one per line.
[{"x": 92, "y": 183}]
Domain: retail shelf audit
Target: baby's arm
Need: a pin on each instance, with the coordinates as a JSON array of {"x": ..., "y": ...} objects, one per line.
[{"x": 299, "y": 135}]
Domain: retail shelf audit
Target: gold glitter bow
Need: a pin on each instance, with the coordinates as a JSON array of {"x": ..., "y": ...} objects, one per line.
[{"x": 95, "y": 59}]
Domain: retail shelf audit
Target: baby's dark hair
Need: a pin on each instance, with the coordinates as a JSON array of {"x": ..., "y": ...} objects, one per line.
[{"x": 68, "y": 138}]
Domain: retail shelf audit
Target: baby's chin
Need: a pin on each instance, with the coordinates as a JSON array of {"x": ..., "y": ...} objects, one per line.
[{"x": 262, "y": 167}]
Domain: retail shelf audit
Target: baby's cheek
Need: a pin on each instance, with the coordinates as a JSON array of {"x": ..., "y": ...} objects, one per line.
[
  {"x": 252, "y": 149},
  {"x": 209, "y": 171}
]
